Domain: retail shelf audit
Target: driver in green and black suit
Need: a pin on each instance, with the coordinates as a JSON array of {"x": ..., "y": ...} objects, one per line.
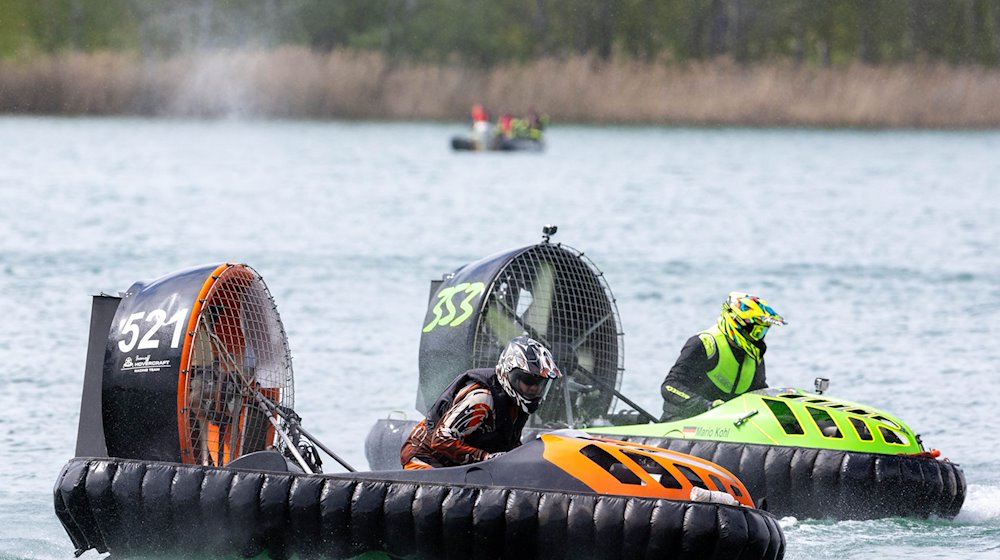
[{"x": 722, "y": 362}]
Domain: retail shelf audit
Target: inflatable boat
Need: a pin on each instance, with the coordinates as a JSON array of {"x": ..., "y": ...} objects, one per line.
[
  {"x": 188, "y": 444},
  {"x": 498, "y": 144},
  {"x": 808, "y": 454}
]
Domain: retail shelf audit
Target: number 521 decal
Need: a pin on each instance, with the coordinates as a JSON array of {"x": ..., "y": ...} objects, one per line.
[
  {"x": 447, "y": 316},
  {"x": 158, "y": 318}
]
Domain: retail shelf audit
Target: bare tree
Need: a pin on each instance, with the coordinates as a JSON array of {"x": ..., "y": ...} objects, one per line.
[
  {"x": 866, "y": 15},
  {"x": 720, "y": 27},
  {"x": 605, "y": 29},
  {"x": 540, "y": 27}
]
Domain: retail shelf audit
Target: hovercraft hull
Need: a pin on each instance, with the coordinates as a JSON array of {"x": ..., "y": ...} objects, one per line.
[
  {"x": 133, "y": 507},
  {"x": 825, "y": 483}
]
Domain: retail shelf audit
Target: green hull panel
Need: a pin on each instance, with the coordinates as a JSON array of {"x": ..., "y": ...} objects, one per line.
[{"x": 788, "y": 417}]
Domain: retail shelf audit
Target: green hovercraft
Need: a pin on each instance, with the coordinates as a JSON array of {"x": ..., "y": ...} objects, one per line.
[{"x": 813, "y": 455}]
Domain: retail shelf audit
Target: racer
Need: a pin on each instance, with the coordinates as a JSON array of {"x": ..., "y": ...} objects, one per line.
[
  {"x": 721, "y": 362},
  {"x": 480, "y": 415}
]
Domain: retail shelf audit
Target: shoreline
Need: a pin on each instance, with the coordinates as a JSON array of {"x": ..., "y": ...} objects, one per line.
[{"x": 294, "y": 82}]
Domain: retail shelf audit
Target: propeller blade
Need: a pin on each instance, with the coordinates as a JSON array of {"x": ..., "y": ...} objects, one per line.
[
  {"x": 537, "y": 314},
  {"x": 585, "y": 358},
  {"x": 503, "y": 324}
]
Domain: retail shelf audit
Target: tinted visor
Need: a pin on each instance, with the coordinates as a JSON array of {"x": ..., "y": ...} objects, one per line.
[{"x": 521, "y": 376}]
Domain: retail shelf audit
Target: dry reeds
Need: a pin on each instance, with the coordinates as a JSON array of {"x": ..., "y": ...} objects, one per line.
[{"x": 299, "y": 83}]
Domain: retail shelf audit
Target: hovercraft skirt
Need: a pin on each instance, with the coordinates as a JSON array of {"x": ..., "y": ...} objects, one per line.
[
  {"x": 134, "y": 507},
  {"x": 817, "y": 483}
]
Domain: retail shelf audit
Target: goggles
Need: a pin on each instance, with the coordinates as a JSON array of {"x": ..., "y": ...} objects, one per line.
[{"x": 756, "y": 331}]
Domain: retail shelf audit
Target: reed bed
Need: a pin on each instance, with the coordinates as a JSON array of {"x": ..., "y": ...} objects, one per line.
[{"x": 293, "y": 82}]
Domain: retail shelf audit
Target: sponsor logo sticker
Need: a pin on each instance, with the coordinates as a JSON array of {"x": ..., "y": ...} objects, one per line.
[{"x": 143, "y": 364}]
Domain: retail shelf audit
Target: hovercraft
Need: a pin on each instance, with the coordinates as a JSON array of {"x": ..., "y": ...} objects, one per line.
[
  {"x": 808, "y": 454},
  {"x": 188, "y": 443},
  {"x": 813, "y": 455}
]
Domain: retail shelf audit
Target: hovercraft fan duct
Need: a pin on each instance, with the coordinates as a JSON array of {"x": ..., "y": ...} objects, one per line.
[
  {"x": 192, "y": 357},
  {"x": 547, "y": 291}
]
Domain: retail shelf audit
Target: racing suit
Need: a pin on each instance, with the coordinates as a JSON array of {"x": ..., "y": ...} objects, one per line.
[
  {"x": 472, "y": 420},
  {"x": 709, "y": 369}
]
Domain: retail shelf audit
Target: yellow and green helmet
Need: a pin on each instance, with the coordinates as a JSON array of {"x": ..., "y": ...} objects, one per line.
[{"x": 745, "y": 320}]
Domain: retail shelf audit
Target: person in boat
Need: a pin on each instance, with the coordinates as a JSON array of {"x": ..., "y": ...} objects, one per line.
[
  {"x": 722, "y": 362},
  {"x": 480, "y": 415},
  {"x": 480, "y": 127},
  {"x": 505, "y": 126},
  {"x": 519, "y": 128},
  {"x": 536, "y": 124}
]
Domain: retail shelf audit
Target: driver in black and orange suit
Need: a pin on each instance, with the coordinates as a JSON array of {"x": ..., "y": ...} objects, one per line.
[{"x": 480, "y": 415}]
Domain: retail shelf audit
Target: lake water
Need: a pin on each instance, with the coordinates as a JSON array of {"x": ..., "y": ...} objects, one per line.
[{"x": 879, "y": 247}]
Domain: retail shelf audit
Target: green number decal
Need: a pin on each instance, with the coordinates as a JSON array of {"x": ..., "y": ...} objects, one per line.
[
  {"x": 444, "y": 310},
  {"x": 473, "y": 289}
]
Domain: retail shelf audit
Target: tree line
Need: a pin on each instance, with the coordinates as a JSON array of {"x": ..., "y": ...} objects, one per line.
[{"x": 488, "y": 32}]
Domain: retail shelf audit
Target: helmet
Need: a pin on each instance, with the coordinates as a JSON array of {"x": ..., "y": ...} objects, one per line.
[
  {"x": 745, "y": 320},
  {"x": 524, "y": 369},
  {"x": 479, "y": 113}
]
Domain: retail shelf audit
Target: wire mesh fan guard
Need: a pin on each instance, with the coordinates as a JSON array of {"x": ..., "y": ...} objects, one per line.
[
  {"x": 557, "y": 295},
  {"x": 238, "y": 347}
]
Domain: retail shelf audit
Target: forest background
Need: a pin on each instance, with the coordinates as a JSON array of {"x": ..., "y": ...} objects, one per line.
[{"x": 879, "y": 63}]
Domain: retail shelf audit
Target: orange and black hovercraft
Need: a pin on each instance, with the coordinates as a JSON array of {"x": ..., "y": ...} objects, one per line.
[{"x": 189, "y": 443}]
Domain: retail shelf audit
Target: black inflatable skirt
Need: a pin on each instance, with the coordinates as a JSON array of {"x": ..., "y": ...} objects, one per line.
[{"x": 131, "y": 507}]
